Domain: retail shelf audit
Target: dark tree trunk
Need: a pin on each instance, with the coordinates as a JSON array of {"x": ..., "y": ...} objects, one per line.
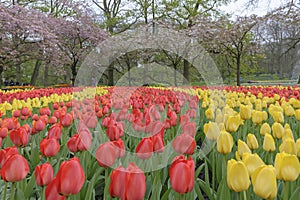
[
  {"x": 35, "y": 72},
  {"x": 46, "y": 75},
  {"x": 18, "y": 75},
  {"x": 74, "y": 73},
  {"x": 186, "y": 72},
  {"x": 1, "y": 70},
  {"x": 110, "y": 71},
  {"x": 238, "y": 70}
]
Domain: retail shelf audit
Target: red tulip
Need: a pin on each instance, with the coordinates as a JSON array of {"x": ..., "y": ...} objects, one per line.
[
  {"x": 90, "y": 120},
  {"x": 17, "y": 113},
  {"x": 53, "y": 120},
  {"x": 128, "y": 183},
  {"x": 182, "y": 174},
  {"x": 55, "y": 131},
  {"x": 6, "y": 153},
  {"x": 70, "y": 177},
  {"x": 184, "y": 144},
  {"x": 51, "y": 192},
  {"x": 120, "y": 148},
  {"x": 37, "y": 126},
  {"x": 158, "y": 143},
  {"x": 35, "y": 117},
  {"x": 184, "y": 119},
  {"x": 189, "y": 128},
  {"x": 19, "y": 137},
  {"x": 106, "y": 154},
  {"x": 114, "y": 132},
  {"x": 45, "y": 111},
  {"x": 49, "y": 147},
  {"x": 145, "y": 148},
  {"x": 43, "y": 174},
  {"x": 66, "y": 120},
  {"x": 25, "y": 111},
  {"x": 3, "y": 132},
  {"x": 15, "y": 168}
]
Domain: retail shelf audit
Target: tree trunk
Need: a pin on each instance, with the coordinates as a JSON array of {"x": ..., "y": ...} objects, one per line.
[
  {"x": 74, "y": 74},
  {"x": 46, "y": 75},
  {"x": 238, "y": 70},
  {"x": 186, "y": 72},
  {"x": 110, "y": 74},
  {"x": 1, "y": 70},
  {"x": 18, "y": 75},
  {"x": 35, "y": 72}
]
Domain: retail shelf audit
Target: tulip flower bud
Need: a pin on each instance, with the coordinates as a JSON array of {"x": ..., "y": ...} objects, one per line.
[
  {"x": 43, "y": 174},
  {"x": 184, "y": 144},
  {"x": 258, "y": 117},
  {"x": 49, "y": 147},
  {"x": 15, "y": 168},
  {"x": 264, "y": 182},
  {"x": 298, "y": 147},
  {"x": 287, "y": 167},
  {"x": 128, "y": 183},
  {"x": 288, "y": 146},
  {"x": 278, "y": 130},
  {"x": 182, "y": 168},
  {"x": 106, "y": 154},
  {"x": 70, "y": 177},
  {"x": 211, "y": 130},
  {"x": 243, "y": 148},
  {"x": 144, "y": 149},
  {"x": 297, "y": 114},
  {"x": 269, "y": 143},
  {"x": 209, "y": 113},
  {"x": 252, "y": 162},
  {"x": 232, "y": 123},
  {"x": 245, "y": 112},
  {"x": 237, "y": 176},
  {"x": 278, "y": 116},
  {"x": 224, "y": 142},
  {"x": 252, "y": 141},
  {"x": 265, "y": 128},
  {"x": 289, "y": 110}
]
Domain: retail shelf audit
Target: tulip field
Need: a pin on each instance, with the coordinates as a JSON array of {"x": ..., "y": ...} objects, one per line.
[{"x": 133, "y": 143}]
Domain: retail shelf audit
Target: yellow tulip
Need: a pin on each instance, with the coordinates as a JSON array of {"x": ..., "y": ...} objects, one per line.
[
  {"x": 252, "y": 162},
  {"x": 298, "y": 147},
  {"x": 257, "y": 117},
  {"x": 276, "y": 97},
  {"x": 252, "y": 141},
  {"x": 297, "y": 114},
  {"x": 209, "y": 113},
  {"x": 288, "y": 134},
  {"x": 211, "y": 130},
  {"x": 258, "y": 105},
  {"x": 287, "y": 167},
  {"x": 265, "y": 128},
  {"x": 219, "y": 116},
  {"x": 243, "y": 148},
  {"x": 237, "y": 176},
  {"x": 289, "y": 110},
  {"x": 269, "y": 143},
  {"x": 277, "y": 130},
  {"x": 288, "y": 146},
  {"x": 278, "y": 116},
  {"x": 232, "y": 123},
  {"x": 224, "y": 142},
  {"x": 245, "y": 112},
  {"x": 264, "y": 182}
]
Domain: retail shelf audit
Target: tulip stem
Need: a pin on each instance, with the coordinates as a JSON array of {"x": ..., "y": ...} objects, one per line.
[
  {"x": 213, "y": 168},
  {"x": 12, "y": 192},
  {"x": 245, "y": 195},
  {"x": 43, "y": 193},
  {"x": 5, "y": 190},
  {"x": 286, "y": 191}
]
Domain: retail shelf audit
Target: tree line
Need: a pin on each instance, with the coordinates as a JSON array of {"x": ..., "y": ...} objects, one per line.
[{"x": 45, "y": 41}]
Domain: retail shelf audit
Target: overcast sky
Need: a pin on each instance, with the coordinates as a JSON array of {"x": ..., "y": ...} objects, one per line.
[{"x": 238, "y": 7}]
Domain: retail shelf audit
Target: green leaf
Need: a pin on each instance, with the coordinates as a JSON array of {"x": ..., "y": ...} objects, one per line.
[
  {"x": 296, "y": 194},
  {"x": 206, "y": 188},
  {"x": 29, "y": 187},
  {"x": 198, "y": 191},
  {"x": 166, "y": 194},
  {"x": 223, "y": 191}
]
